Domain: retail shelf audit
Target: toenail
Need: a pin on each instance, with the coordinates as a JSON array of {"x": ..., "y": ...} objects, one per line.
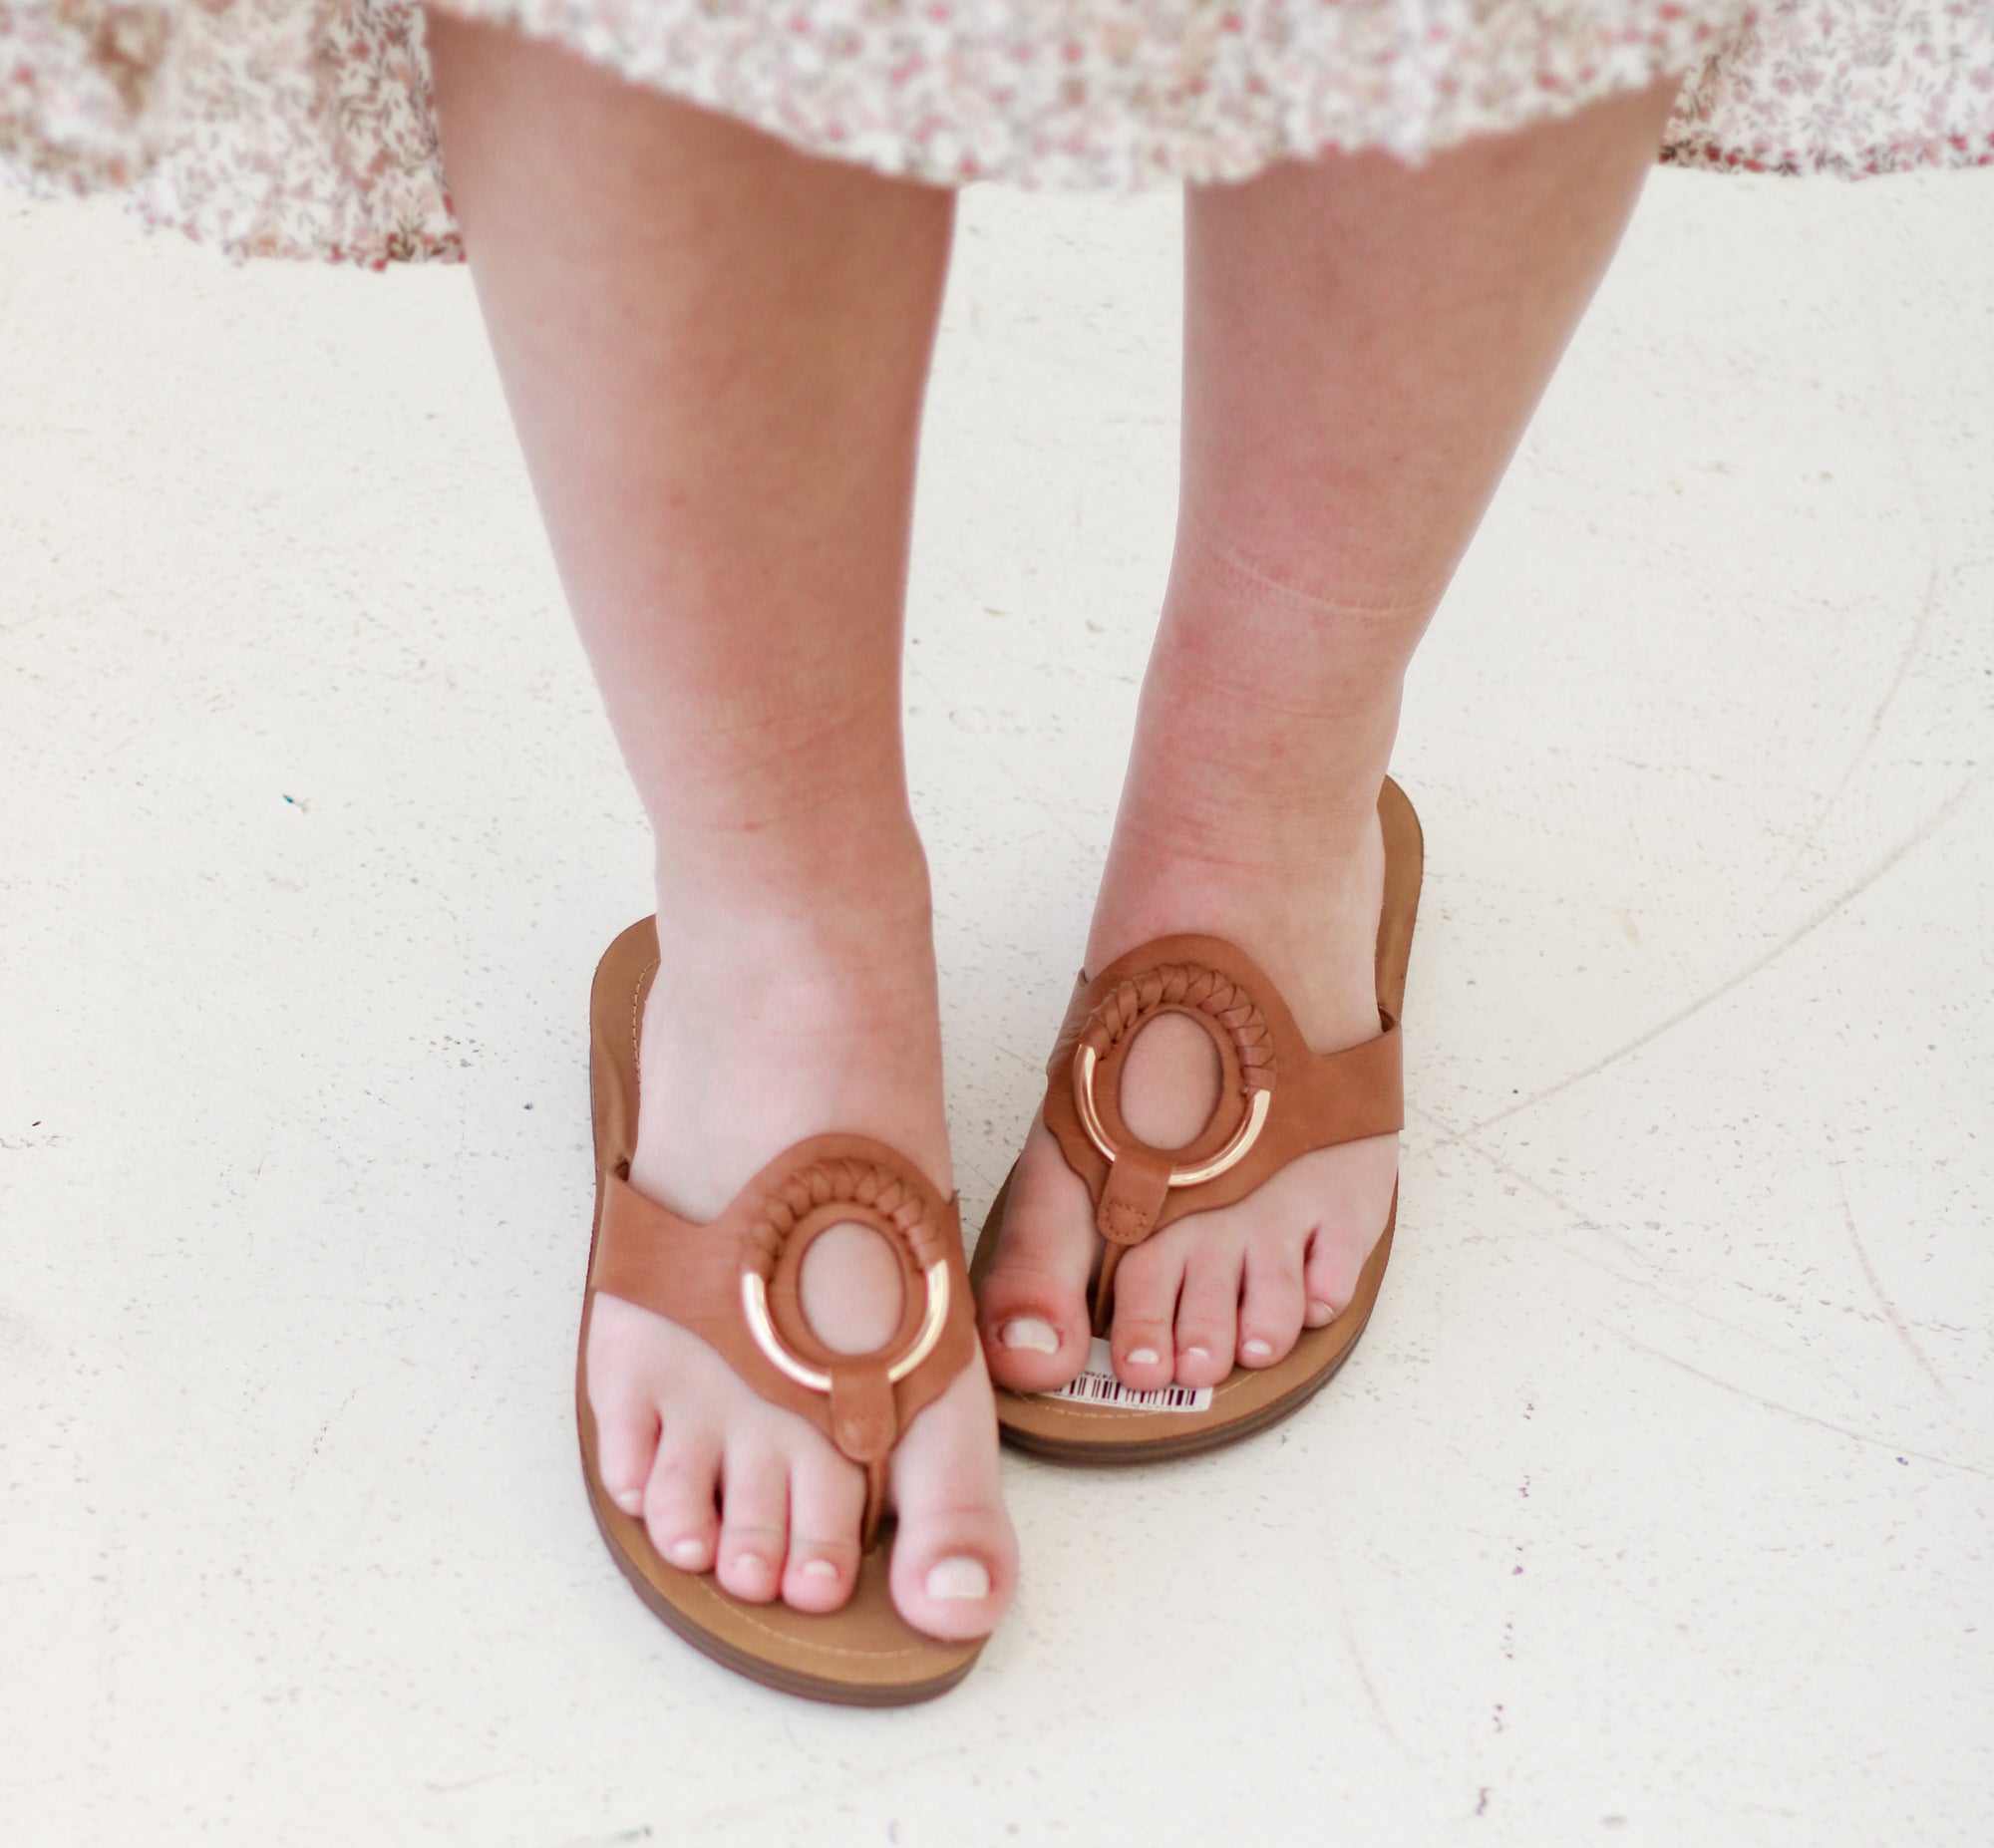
[
  {"x": 1143, "y": 1356},
  {"x": 1259, "y": 1350},
  {"x": 820, "y": 1569},
  {"x": 1030, "y": 1332},
  {"x": 750, "y": 1562},
  {"x": 959, "y": 1578},
  {"x": 630, "y": 1500},
  {"x": 1197, "y": 1354},
  {"x": 688, "y": 1553},
  {"x": 1319, "y": 1313}
]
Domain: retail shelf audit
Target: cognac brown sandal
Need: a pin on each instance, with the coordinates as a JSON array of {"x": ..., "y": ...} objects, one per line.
[
  {"x": 1279, "y": 1100},
  {"x": 734, "y": 1284}
]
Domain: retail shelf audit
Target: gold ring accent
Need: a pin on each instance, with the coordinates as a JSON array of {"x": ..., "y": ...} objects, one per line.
[
  {"x": 761, "y": 1325},
  {"x": 1084, "y": 1061}
]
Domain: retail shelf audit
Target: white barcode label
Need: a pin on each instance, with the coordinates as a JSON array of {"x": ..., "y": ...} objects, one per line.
[{"x": 1098, "y": 1385}]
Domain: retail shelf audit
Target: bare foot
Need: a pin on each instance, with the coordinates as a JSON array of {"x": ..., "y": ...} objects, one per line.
[
  {"x": 1237, "y": 1284},
  {"x": 762, "y": 1032}
]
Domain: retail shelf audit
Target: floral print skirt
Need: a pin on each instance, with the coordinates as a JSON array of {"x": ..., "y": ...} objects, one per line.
[{"x": 303, "y": 128}]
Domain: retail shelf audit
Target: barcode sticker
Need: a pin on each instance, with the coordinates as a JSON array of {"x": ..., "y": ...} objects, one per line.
[{"x": 1098, "y": 1385}]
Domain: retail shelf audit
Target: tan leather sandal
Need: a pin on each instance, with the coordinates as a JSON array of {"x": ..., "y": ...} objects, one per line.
[
  {"x": 734, "y": 1283},
  {"x": 1279, "y": 1100}
]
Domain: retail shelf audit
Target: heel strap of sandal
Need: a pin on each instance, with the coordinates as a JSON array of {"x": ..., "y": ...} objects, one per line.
[
  {"x": 1278, "y": 1100},
  {"x": 737, "y": 1284}
]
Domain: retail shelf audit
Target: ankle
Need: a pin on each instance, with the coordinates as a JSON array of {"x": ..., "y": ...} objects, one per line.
[
  {"x": 770, "y": 1023},
  {"x": 1154, "y": 883},
  {"x": 849, "y": 888},
  {"x": 1243, "y": 833},
  {"x": 834, "y": 958},
  {"x": 1309, "y": 919},
  {"x": 1250, "y": 834},
  {"x": 1231, "y": 776}
]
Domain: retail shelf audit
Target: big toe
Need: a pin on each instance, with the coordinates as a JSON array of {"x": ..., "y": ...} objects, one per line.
[
  {"x": 955, "y": 1558},
  {"x": 1032, "y": 1307}
]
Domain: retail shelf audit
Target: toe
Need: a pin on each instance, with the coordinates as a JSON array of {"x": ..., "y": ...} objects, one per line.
[
  {"x": 1329, "y": 1278},
  {"x": 1032, "y": 1309},
  {"x": 1272, "y": 1303},
  {"x": 680, "y": 1511},
  {"x": 1208, "y": 1313},
  {"x": 1147, "y": 1283},
  {"x": 754, "y": 1520},
  {"x": 623, "y": 1396},
  {"x": 827, "y": 1503},
  {"x": 626, "y": 1442},
  {"x": 1351, "y": 1198},
  {"x": 955, "y": 1559}
]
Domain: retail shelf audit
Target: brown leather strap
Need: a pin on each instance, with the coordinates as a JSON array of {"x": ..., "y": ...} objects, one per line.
[
  {"x": 736, "y": 1284},
  {"x": 1304, "y": 1101}
]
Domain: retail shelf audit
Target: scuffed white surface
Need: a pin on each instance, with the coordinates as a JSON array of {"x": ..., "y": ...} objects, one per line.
[{"x": 1653, "y": 1510}]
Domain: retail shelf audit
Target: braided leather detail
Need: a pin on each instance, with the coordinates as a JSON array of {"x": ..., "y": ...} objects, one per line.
[
  {"x": 824, "y": 1183},
  {"x": 1188, "y": 985}
]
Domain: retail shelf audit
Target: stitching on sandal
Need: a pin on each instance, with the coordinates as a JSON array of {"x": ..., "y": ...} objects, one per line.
[
  {"x": 637, "y": 1014},
  {"x": 705, "y": 1584}
]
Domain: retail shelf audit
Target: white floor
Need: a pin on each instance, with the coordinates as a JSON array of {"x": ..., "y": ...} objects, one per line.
[{"x": 1655, "y": 1508}]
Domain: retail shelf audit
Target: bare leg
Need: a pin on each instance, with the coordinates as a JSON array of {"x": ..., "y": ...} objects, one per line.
[
  {"x": 715, "y": 351},
  {"x": 1363, "y": 346}
]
